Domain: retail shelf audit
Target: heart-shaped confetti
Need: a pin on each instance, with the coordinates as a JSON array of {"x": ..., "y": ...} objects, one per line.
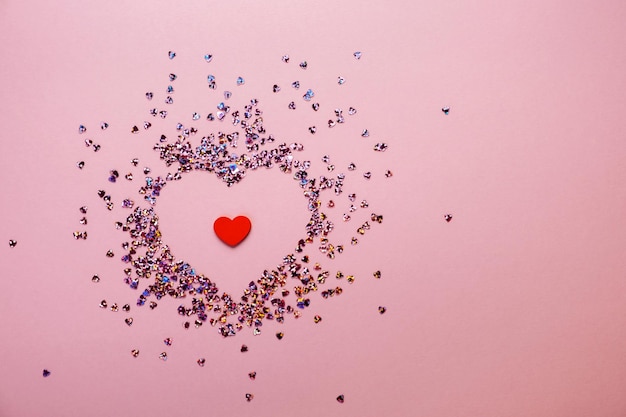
[{"x": 232, "y": 232}]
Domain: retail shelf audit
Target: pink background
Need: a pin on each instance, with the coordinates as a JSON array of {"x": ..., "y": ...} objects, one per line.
[{"x": 514, "y": 308}]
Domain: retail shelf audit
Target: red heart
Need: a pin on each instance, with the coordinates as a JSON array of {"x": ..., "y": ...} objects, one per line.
[{"x": 232, "y": 232}]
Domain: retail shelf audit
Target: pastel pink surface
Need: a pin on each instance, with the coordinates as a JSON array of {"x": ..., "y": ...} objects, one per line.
[{"x": 514, "y": 308}]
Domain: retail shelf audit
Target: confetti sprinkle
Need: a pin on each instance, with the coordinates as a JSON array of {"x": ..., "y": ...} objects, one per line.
[
  {"x": 448, "y": 217},
  {"x": 163, "y": 356},
  {"x": 382, "y": 310},
  {"x": 230, "y": 154},
  {"x": 340, "y": 399},
  {"x": 380, "y": 147},
  {"x": 46, "y": 373},
  {"x": 201, "y": 362},
  {"x": 445, "y": 110},
  {"x": 12, "y": 243},
  {"x": 357, "y": 55},
  {"x": 171, "y": 54},
  {"x": 317, "y": 319},
  {"x": 168, "y": 341},
  {"x": 249, "y": 397},
  {"x": 252, "y": 375},
  {"x": 129, "y": 321},
  {"x": 208, "y": 57},
  {"x": 134, "y": 352}
]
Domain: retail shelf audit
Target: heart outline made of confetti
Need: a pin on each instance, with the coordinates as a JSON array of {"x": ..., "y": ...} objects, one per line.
[{"x": 266, "y": 297}]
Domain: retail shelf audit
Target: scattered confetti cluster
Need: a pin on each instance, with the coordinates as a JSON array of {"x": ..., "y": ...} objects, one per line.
[{"x": 235, "y": 145}]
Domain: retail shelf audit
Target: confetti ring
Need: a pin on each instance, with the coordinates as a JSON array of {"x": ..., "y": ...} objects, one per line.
[{"x": 148, "y": 257}]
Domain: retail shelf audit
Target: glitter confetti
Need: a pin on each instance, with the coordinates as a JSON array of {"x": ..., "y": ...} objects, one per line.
[
  {"x": 448, "y": 218},
  {"x": 252, "y": 375},
  {"x": 249, "y": 397},
  {"x": 340, "y": 399},
  {"x": 382, "y": 310},
  {"x": 46, "y": 373},
  {"x": 134, "y": 352},
  {"x": 231, "y": 153},
  {"x": 12, "y": 243},
  {"x": 201, "y": 362},
  {"x": 445, "y": 110}
]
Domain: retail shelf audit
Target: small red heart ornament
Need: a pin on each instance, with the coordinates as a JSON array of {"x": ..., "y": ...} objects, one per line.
[{"x": 232, "y": 232}]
